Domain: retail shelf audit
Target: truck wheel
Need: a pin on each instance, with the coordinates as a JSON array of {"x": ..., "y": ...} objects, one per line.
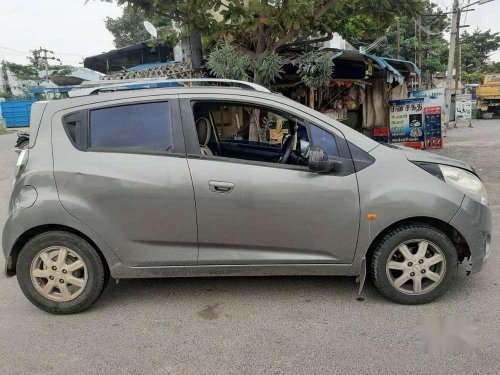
[
  {"x": 479, "y": 114},
  {"x": 488, "y": 115},
  {"x": 60, "y": 272},
  {"x": 414, "y": 264}
]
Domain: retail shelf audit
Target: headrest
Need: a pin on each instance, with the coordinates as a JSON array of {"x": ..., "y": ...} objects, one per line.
[{"x": 203, "y": 130}]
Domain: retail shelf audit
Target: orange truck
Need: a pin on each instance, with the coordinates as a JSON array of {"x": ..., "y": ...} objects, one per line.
[{"x": 488, "y": 96}]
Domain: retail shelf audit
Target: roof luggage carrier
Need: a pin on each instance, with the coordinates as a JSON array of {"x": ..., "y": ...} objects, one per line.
[{"x": 95, "y": 87}]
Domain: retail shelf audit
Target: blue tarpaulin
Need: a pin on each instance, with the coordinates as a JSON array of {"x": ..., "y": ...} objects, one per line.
[{"x": 386, "y": 66}]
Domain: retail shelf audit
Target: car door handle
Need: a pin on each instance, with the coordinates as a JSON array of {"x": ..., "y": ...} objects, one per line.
[{"x": 220, "y": 186}]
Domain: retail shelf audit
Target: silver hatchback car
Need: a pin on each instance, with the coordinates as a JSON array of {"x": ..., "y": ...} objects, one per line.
[{"x": 228, "y": 181}]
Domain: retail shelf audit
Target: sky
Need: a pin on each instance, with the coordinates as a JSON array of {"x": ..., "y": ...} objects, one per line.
[
  {"x": 70, "y": 28},
  {"x": 485, "y": 17},
  {"x": 74, "y": 30}
]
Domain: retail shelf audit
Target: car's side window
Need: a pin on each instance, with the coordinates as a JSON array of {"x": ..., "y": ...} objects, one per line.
[
  {"x": 132, "y": 127},
  {"x": 250, "y": 132},
  {"x": 325, "y": 140}
]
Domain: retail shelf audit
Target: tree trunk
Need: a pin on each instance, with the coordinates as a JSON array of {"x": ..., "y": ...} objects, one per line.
[
  {"x": 192, "y": 51},
  {"x": 261, "y": 46}
]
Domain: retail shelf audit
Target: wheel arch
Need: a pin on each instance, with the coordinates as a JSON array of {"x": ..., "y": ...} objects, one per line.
[
  {"x": 32, "y": 232},
  {"x": 452, "y": 233}
]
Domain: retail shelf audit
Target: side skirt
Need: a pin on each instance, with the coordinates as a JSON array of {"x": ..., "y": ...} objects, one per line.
[{"x": 121, "y": 271}]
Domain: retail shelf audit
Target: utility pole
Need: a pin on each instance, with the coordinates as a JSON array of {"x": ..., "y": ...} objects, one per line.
[
  {"x": 46, "y": 65},
  {"x": 420, "y": 49},
  {"x": 452, "y": 55},
  {"x": 398, "y": 30},
  {"x": 40, "y": 60},
  {"x": 458, "y": 58}
]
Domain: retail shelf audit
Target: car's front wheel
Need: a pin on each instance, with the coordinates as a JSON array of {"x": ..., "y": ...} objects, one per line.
[
  {"x": 60, "y": 272},
  {"x": 414, "y": 263}
]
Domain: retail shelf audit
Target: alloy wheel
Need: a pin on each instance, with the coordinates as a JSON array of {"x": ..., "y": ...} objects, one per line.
[
  {"x": 416, "y": 267},
  {"x": 59, "y": 273}
]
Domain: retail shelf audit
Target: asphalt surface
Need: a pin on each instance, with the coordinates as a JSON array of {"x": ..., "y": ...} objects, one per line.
[{"x": 271, "y": 325}]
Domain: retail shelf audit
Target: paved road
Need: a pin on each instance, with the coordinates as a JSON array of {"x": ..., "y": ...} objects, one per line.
[{"x": 278, "y": 325}]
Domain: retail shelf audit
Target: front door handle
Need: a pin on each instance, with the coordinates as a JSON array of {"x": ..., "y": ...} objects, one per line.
[{"x": 220, "y": 186}]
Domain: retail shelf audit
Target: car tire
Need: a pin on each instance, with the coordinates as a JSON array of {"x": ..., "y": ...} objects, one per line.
[
  {"x": 400, "y": 271},
  {"x": 60, "y": 272},
  {"x": 23, "y": 145}
]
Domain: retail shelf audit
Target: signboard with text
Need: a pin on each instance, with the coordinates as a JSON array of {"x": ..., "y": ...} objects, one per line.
[
  {"x": 406, "y": 122},
  {"x": 432, "y": 127},
  {"x": 463, "y": 107},
  {"x": 432, "y": 98}
]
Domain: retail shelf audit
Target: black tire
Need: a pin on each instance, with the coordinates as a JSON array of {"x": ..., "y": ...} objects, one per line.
[
  {"x": 23, "y": 145},
  {"x": 96, "y": 278},
  {"x": 399, "y": 235},
  {"x": 479, "y": 114}
]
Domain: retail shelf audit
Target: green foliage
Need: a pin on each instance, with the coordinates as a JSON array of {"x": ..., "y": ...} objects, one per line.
[
  {"x": 476, "y": 48},
  {"x": 268, "y": 69},
  {"x": 34, "y": 73},
  {"x": 24, "y": 72},
  {"x": 31, "y": 73},
  {"x": 315, "y": 68},
  {"x": 61, "y": 70},
  {"x": 250, "y": 35},
  {"x": 493, "y": 68},
  {"x": 434, "y": 46},
  {"x": 5, "y": 95},
  {"x": 226, "y": 62},
  {"x": 128, "y": 28},
  {"x": 264, "y": 128},
  {"x": 263, "y": 26}
]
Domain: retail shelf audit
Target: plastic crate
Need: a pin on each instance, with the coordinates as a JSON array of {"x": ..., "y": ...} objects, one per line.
[{"x": 16, "y": 113}]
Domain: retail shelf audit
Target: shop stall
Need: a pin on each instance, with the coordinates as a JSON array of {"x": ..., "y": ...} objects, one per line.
[{"x": 359, "y": 92}]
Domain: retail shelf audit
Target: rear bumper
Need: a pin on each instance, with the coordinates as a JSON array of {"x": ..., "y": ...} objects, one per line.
[{"x": 473, "y": 221}]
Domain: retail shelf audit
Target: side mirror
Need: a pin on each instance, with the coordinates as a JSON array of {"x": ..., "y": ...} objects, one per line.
[{"x": 319, "y": 161}]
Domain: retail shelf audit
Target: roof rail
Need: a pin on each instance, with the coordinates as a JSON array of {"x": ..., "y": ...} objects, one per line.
[{"x": 94, "y": 87}]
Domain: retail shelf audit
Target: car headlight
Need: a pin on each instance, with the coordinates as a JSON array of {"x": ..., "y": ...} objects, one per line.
[{"x": 466, "y": 182}]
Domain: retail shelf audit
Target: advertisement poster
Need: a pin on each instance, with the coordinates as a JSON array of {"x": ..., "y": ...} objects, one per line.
[
  {"x": 432, "y": 98},
  {"x": 406, "y": 122},
  {"x": 463, "y": 107},
  {"x": 432, "y": 127}
]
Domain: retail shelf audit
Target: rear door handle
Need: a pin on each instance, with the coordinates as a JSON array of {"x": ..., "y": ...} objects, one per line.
[{"x": 220, "y": 186}]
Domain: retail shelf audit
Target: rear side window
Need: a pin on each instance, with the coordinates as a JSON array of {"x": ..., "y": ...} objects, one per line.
[{"x": 134, "y": 127}]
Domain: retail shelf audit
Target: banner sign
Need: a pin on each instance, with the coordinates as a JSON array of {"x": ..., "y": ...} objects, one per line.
[
  {"x": 463, "y": 107},
  {"x": 432, "y": 126},
  {"x": 432, "y": 98},
  {"x": 406, "y": 122}
]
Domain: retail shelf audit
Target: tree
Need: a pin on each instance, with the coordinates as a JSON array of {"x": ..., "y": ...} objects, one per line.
[
  {"x": 34, "y": 72},
  {"x": 129, "y": 28},
  {"x": 434, "y": 47},
  {"x": 476, "y": 49},
  {"x": 260, "y": 27}
]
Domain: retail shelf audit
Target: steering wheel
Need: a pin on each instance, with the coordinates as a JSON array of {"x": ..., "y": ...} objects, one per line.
[{"x": 286, "y": 149}]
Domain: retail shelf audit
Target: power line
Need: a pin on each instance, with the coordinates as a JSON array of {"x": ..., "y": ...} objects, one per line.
[{"x": 27, "y": 52}]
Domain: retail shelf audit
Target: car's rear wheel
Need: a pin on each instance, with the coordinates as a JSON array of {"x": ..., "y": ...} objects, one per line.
[
  {"x": 414, "y": 263},
  {"x": 23, "y": 145},
  {"x": 60, "y": 272}
]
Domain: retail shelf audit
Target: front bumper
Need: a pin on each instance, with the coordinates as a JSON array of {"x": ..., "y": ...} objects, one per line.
[{"x": 473, "y": 221}]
